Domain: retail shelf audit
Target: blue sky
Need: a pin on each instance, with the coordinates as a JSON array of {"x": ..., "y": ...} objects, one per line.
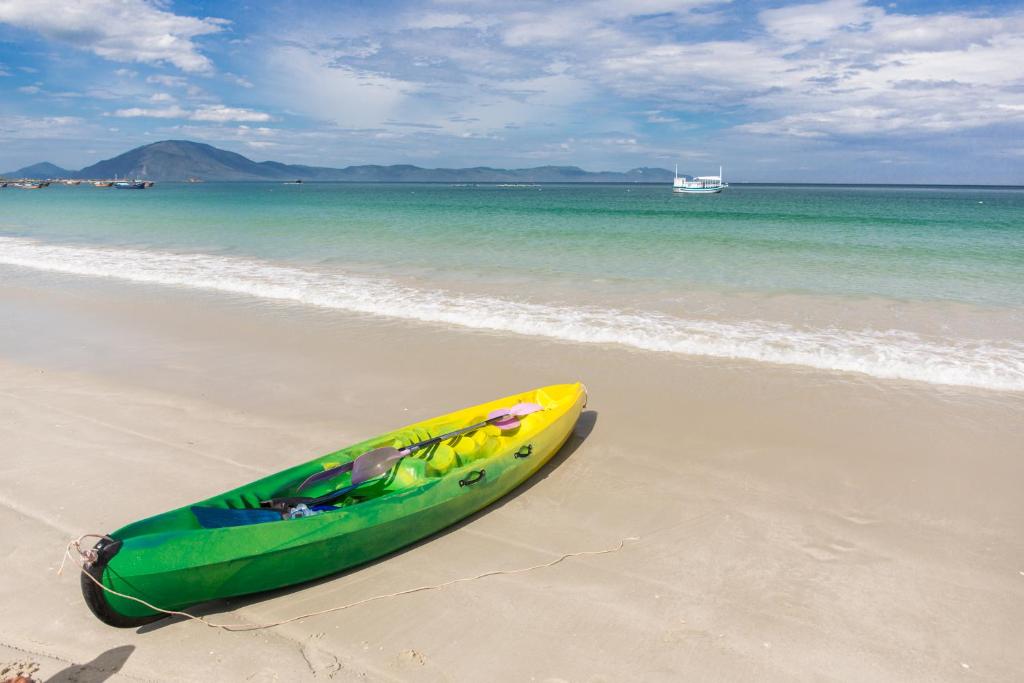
[{"x": 833, "y": 91}]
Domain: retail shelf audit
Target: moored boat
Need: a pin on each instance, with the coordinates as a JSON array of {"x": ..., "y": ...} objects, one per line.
[
  {"x": 263, "y": 535},
  {"x": 130, "y": 185},
  {"x": 702, "y": 184},
  {"x": 103, "y": 183}
]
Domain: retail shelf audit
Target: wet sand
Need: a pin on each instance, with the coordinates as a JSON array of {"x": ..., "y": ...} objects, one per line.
[{"x": 791, "y": 524}]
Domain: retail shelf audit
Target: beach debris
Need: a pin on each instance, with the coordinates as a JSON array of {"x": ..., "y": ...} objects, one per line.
[
  {"x": 413, "y": 657},
  {"x": 19, "y": 671}
]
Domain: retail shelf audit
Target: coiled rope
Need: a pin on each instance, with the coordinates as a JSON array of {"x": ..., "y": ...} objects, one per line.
[{"x": 84, "y": 556}]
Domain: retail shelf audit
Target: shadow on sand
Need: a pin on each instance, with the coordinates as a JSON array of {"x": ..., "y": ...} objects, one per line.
[
  {"x": 103, "y": 667},
  {"x": 584, "y": 426}
]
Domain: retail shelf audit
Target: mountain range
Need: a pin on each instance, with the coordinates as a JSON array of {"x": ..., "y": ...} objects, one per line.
[{"x": 179, "y": 160}]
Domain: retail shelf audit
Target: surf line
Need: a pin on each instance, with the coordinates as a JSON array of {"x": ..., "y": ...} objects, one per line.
[{"x": 82, "y": 556}]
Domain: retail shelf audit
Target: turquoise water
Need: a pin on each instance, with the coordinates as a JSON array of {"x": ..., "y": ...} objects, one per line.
[{"x": 912, "y": 283}]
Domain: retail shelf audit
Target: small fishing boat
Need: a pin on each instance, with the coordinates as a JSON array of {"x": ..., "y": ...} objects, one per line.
[
  {"x": 292, "y": 182},
  {"x": 130, "y": 185},
  {"x": 702, "y": 184},
  {"x": 30, "y": 185},
  {"x": 103, "y": 183},
  {"x": 335, "y": 512}
]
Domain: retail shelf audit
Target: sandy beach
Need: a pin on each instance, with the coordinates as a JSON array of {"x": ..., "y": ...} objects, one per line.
[{"x": 790, "y": 524}]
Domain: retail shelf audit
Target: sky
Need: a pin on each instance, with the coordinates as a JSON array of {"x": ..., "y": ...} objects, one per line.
[{"x": 833, "y": 91}]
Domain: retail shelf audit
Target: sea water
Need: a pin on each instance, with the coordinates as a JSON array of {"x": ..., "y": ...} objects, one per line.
[{"x": 911, "y": 283}]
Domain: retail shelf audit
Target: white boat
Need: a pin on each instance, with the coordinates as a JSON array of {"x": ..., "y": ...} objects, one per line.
[{"x": 702, "y": 184}]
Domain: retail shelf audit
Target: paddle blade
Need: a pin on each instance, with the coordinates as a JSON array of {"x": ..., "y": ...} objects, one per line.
[
  {"x": 523, "y": 409},
  {"x": 508, "y": 418},
  {"x": 374, "y": 463},
  {"x": 325, "y": 475}
]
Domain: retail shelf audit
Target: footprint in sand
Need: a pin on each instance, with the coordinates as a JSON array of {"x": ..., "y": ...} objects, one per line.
[
  {"x": 321, "y": 663},
  {"x": 859, "y": 520},
  {"x": 827, "y": 552}
]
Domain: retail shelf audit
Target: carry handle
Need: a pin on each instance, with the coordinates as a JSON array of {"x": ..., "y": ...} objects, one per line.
[{"x": 473, "y": 478}]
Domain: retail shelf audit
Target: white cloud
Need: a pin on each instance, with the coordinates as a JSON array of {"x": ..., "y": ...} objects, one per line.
[
  {"x": 239, "y": 80},
  {"x": 571, "y": 25},
  {"x": 657, "y": 116},
  {"x": 174, "y": 112},
  {"x": 432, "y": 20},
  {"x": 312, "y": 80},
  {"x": 121, "y": 30},
  {"x": 215, "y": 113},
  {"x": 840, "y": 67},
  {"x": 817, "y": 21},
  {"x": 220, "y": 113},
  {"x": 168, "y": 81},
  {"x": 17, "y": 128}
]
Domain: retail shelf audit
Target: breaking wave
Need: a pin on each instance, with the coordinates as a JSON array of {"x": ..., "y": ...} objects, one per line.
[{"x": 890, "y": 354}]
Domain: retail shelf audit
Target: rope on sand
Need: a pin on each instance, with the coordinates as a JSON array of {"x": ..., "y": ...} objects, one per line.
[{"x": 85, "y": 556}]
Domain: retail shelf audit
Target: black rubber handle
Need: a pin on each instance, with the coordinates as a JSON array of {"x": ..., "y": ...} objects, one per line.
[
  {"x": 525, "y": 451},
  {"x": 473, "y": 478}
]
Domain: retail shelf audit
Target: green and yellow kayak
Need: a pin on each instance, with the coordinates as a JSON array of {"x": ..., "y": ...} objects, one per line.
[{"x": 236, "y": 543}]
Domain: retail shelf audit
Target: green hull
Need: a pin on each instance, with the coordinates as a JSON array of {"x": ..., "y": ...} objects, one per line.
[{"x": 172, "y": 562}]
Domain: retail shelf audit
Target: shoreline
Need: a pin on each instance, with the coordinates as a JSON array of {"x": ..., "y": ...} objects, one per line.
[
  {"x": 934, "y": 342},
  {"x": 793, "y": 523}
]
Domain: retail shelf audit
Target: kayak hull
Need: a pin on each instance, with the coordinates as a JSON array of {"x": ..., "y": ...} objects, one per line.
[{"x": 172, "y": 563}]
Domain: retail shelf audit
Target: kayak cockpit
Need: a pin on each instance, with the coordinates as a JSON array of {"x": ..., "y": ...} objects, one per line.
[{"x": 248, "y": 504}]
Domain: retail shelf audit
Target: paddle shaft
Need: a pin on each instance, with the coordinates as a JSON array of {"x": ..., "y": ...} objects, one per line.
[
  {"x": 408, "y": 450},
  {"x": 412, "y": 448},
  {"x": 360, "y": 465},
  {"x": 345, "y": 467}
]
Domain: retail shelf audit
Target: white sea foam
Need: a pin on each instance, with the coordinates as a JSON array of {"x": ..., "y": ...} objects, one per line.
[{"x": 891, "y": 354}]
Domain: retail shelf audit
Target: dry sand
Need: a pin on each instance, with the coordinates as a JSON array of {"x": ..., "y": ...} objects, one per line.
[{"x": 792, "y": 525}]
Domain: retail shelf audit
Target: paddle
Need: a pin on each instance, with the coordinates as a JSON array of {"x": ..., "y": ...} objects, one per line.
[{"x": 378, "y": 461}]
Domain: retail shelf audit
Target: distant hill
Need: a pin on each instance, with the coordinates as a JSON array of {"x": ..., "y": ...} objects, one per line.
[
  {"x": 178, "y": 160},
  {"x": 41, "y": 170}
]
